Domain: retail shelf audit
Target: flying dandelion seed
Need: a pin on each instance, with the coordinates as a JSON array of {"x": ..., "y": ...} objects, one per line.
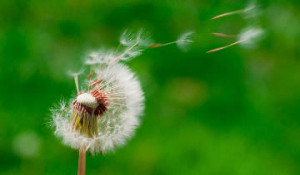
[
  {"x": 182, "y": 42},
  {"x": 248, "y": 37},
  {"x": 248, "y": 11}
]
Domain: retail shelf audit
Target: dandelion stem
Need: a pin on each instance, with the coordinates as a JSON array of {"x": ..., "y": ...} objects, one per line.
[{"x": 81, "y": 162}]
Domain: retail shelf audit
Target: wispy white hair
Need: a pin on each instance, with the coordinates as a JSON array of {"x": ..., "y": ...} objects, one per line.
[
  {"x": 184, "y": 40},
  {"x": 101, "y": 56},
  {"x": 131, "y": 45},
  {"x": 250, "y": 35}
]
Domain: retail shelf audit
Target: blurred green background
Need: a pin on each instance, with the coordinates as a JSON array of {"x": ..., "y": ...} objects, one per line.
[{"x": 233, "y": 112}]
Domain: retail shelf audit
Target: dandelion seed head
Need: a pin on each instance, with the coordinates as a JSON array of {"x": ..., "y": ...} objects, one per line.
[{"x": 113, "y": 108}]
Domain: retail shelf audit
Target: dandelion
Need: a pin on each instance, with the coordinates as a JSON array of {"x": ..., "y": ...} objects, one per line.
[{"x": 105, "y": 113}]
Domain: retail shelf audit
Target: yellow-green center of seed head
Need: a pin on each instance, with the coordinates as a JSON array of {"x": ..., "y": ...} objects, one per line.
[{"x": 84, "y": 119}]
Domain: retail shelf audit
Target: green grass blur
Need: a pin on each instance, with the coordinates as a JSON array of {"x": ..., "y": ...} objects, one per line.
[{"x": 233, "y": 112}]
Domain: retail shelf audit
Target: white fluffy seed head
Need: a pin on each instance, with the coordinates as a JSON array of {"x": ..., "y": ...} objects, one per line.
[
  {"x": 87, "y": 100},
  {"x": 115, "y": 126}
]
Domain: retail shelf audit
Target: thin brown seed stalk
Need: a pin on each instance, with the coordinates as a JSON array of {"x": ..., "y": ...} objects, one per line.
[
  {"x": 234, "y": 12},
  {"x": 224, "y": 47},
  {"x": 155, "y": 45},
  {"x": 223, "y": 35},
  {"x": 81, "y": 162}
]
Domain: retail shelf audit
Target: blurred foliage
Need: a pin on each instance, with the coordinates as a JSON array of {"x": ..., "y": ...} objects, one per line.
[{"x": 232, "y": 112}]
